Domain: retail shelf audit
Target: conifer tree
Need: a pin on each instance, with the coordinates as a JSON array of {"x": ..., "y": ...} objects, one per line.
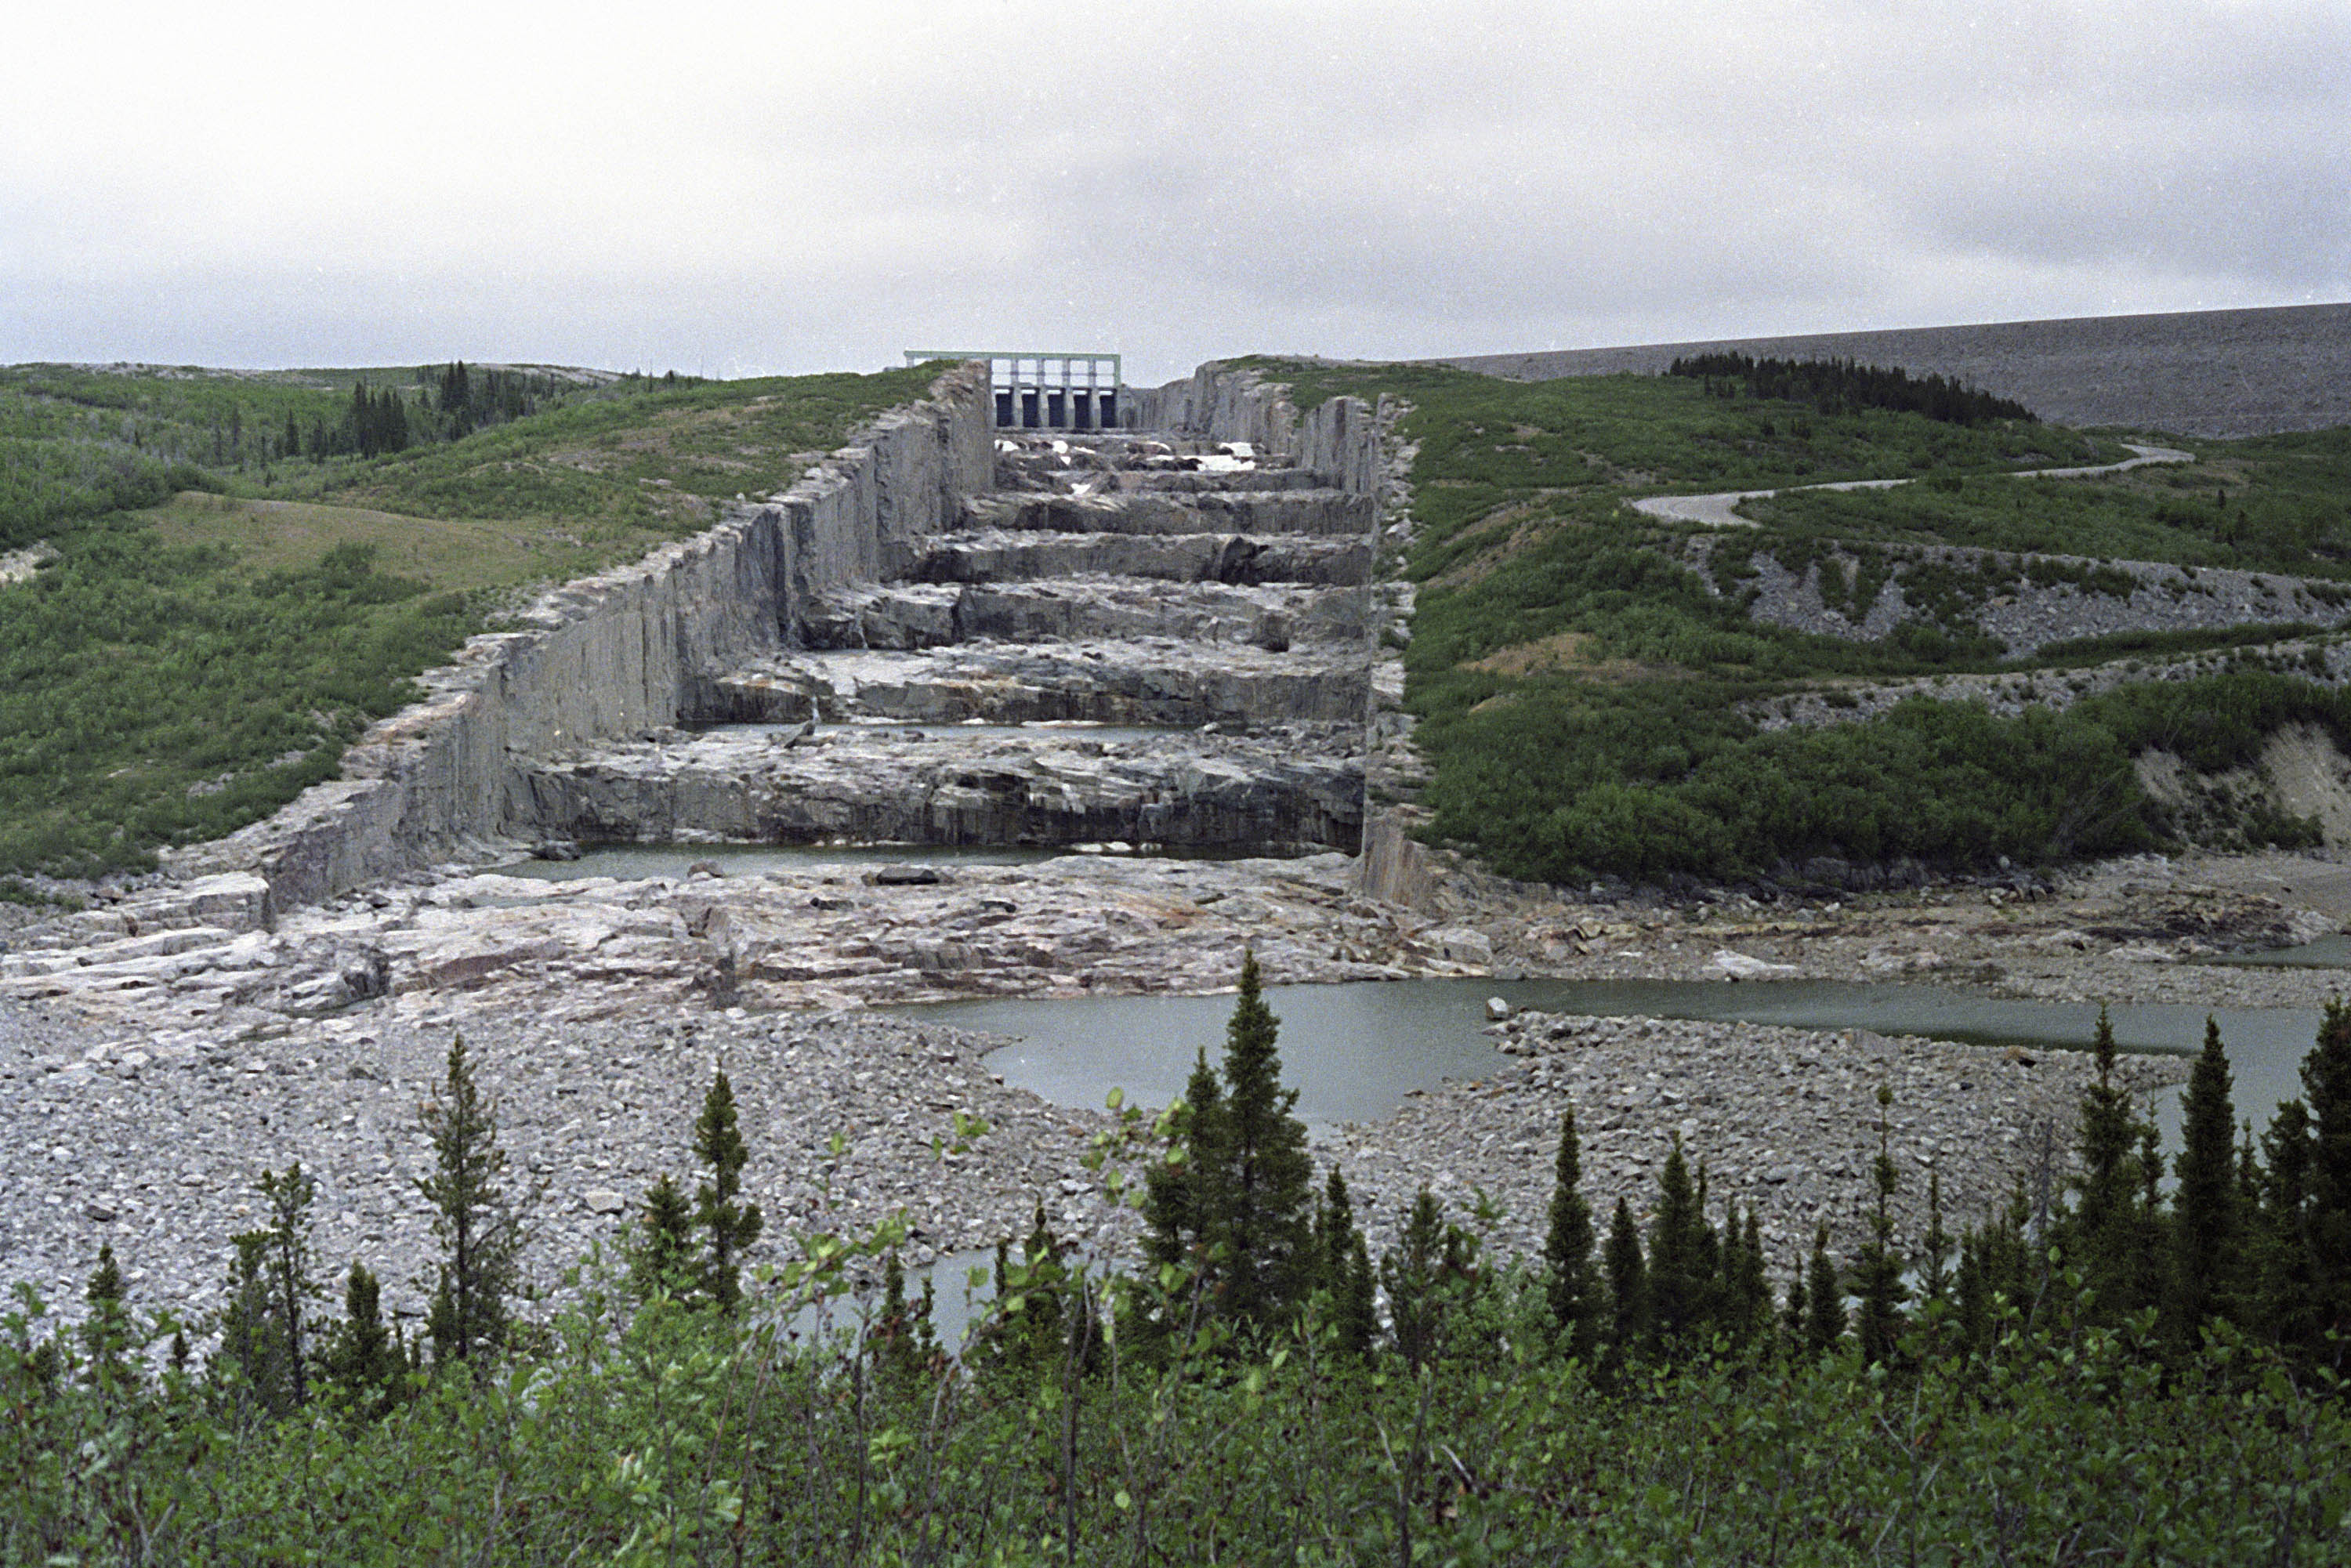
[
  {"x": 893, "y": 1333},
  {"x": 2290, "y": 1309},
  {"x": 1262, "y": 1213},
  {"x": 1236, "y": 1200},
  {"x": 1413, "y": 1276},
  {"x": 2204, "y": 1208},
  {"x": 249, "y": 1370},
  {"x": 290, "y": 1283},
  {"x": 1793, "y": 1319},
  {"x": 1346, "y": 1263},
  {"x": 2104, "y": 1221},
  {"x": 361, "y": 1358},
  {"x": 1629, "y": 1283},
  {"x": 1877, "y": 1267},
  {"x": 479, "y": 1232},
  {"x": 2326, "y": 1092},
  {"x": 1678, "y": 1275},
  {"x": 1180, "y": 1192},
  {"x": 731, "y": 1226},
  {"x": 106, "y": 1332},
  {"x": 1746, "y": 1289},
  {"x": 661, "y": 1261},
  {"x": 1935, "y": 1246},
  {"x": 1824, "y": 1320},
  {"x": 1570, "y": 1287}
]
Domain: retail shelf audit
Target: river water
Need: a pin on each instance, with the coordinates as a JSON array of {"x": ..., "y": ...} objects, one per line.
[{"x": 1355, "y": 1051}]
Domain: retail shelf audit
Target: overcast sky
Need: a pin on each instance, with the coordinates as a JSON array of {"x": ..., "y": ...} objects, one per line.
[{"x": 785, "y": 186}]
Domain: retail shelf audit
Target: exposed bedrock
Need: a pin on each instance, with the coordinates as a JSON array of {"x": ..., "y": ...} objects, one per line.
[
  {"x": 1309, "y": 511},
  {"x": 1296, "y": 788},
  {"x": 1219, "y": 575},
  {"x": 1009, "y": 554},
  {"x": 925, "y": 615},
  {"x": 1141, "y": 682},
  {"x": 617, "y": 654}
]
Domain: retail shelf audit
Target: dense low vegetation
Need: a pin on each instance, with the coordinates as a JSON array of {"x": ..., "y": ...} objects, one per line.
[
  {"x": 241, "y": 571},
  {"x": 1585, "y": 675},
  {"x": 1840, "y": 386},
  {"x": 2101, "y": 1374}
]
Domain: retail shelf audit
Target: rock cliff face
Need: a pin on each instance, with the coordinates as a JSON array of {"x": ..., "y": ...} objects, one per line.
[
  {"x": 619, "y": 654},
  {"x": 928, "y": 573}
]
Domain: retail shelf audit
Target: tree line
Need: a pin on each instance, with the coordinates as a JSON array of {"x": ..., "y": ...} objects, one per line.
[
  {"x": 1257, "y": 1386},
  {"x": 1835, "y": 386}
]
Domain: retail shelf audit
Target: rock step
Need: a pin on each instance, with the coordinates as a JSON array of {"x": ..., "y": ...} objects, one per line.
[
  {"x": 1080, "y": 476},
  {"x": 1191, "y": 790},
  {"x": 1320, "y": 512},
  {"x": 1275, "y": 617},
  {"x": 1001, "y": 556},
  {"x": 1142, "y": 681}
]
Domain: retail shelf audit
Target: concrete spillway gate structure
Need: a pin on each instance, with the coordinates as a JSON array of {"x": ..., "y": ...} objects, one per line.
[{"x": 1032, "y": 391}]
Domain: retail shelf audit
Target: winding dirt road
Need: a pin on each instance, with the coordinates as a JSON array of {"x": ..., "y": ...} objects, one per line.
[{"x": 1719, "y": 510}]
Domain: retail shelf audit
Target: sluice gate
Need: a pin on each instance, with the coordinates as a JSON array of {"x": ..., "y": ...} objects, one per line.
[{"x": 1035, "y": 390}]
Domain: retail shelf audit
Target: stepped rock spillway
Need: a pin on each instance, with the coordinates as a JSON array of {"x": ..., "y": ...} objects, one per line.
[{"x": 1228, "y": 611}]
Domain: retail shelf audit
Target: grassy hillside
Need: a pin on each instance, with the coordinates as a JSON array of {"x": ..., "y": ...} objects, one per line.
[
  {"x": 224, "y": 604},
  {"x": 1582, "y": 670}
]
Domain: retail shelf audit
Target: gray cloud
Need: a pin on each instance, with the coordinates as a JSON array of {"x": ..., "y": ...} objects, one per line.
[{"x": 732, "y": 188}]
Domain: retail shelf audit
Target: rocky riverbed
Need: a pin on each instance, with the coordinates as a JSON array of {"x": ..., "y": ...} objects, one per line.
[
  {"x": 143, "y": 1094},
  {"x": 1785, "y": 1121}
]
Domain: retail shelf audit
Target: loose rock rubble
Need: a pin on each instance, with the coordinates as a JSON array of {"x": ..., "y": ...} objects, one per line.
[
  {"x": 155, "y": 1148},
  {"x": 1783, "y": 1120}
]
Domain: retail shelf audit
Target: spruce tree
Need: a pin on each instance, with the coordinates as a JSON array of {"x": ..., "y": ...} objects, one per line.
[
  {"x": 106, "y": 1332},
  {"x": 1824, "y": 1320},
  {"x": 361, "y": 1360},
  {"x": 1935, "y": 1246},
  {"x": 2326, "y": 1092},
  {"x": 1569, "y": 1285},
  {"x": 1678, "y": 1272},
  {"x": 288, "y": 1270},
  {"x": 2104, "y": 1221},
  {"x": 2290, "y": 1309},
  {"x": 1346, "y": 1264},
  {"x": 1628, "y": 1284},
  {"x": 1745, "y": 1292},
  {"x": 731, "y": 1226},
  {"x": 1267, "y": 1181},
  {"x": 1412, "y": 1275},
  {"x": 660, "y": 1258},
  {"x": 479, "y": 1232},
  {"x": 248, "y": 1370},
  {"x": 893, "y": 1333},
  {"x": 2204, "y": 1207},
  {"x": 1878, "y": 1266},
  {"x": 1181, "y": 1193},
  {"x": 1792, "y": 1319}
]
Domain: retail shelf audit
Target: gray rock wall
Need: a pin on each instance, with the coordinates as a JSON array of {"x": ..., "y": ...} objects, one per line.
[
  {"x": 629, "y": 650},
  {"x": 1339, "y": 438}
]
